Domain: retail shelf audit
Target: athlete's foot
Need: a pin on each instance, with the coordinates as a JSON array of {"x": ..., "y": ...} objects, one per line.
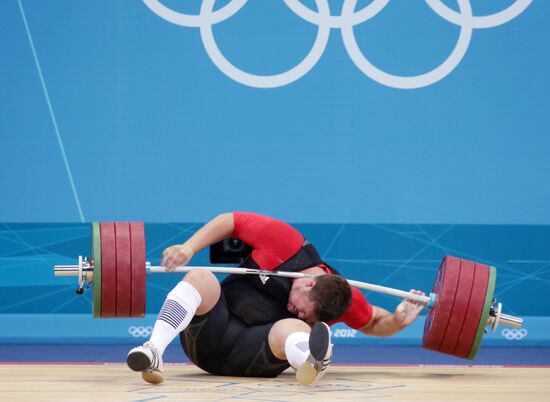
[
  {"x": 146, "y": 359},
  {"x": 320, "y": 355}
]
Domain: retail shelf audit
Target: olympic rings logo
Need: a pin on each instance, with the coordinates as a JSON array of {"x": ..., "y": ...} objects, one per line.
[
  {"x": 345, "y": 22},
  {"x": 140, "y": 332},
  {"x": 514, "y": 334}
]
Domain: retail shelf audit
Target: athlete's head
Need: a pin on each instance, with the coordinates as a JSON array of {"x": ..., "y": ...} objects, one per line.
[{"x": 322, "y": 298}]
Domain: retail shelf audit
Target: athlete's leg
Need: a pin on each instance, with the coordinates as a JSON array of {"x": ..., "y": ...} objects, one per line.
[
  {"x": 308, "y": 350},
  {"x": 223, "y": 345},
  {"x": 279, "y": 333},
  {"x": 196, "y": 294}
]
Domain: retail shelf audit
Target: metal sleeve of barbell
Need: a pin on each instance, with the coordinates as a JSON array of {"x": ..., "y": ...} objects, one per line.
[
  {"x": 511, "y": 321},
  {"x": 66, "y": 270},
  {"x": 245, "y": 271}
]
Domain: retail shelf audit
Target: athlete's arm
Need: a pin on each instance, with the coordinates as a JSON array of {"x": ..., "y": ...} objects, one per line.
[
  {"x": 273, "y": 241},
  {"x": 384, "y": 323},
  {"x": 214, "y": 231}
]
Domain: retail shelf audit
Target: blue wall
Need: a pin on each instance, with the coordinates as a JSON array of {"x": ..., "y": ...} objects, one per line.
[
  {"x": 409, "y": 129},
  {"x": 153, "y": 130}
]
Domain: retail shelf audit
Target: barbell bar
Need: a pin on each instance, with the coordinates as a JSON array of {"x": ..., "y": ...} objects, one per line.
[
  {"x": 87, "y": 272},
  {"x": 460, "y": 304}
]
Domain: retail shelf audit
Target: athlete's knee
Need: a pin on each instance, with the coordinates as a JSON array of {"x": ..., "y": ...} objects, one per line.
[
  {"x": 281, "y": 330},
  {"x": 206, "y": 283}
]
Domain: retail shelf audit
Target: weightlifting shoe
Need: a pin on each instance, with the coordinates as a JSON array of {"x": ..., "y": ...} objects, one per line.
[
  {"x": 146, "y": 359},
  {"x": 320, "y": 355}
]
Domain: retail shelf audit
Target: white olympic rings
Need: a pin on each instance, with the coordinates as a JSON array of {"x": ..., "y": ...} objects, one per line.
[
  {"x": 140, "y": 332},
  {"x": 514, "y": 334},
  {"x": 346, "y": 22}
]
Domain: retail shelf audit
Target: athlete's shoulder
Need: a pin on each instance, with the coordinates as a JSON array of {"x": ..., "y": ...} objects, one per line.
[{"x": 359, "y": 313}]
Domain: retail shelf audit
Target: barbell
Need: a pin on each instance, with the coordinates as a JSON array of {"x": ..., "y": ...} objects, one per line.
[{"x": 461, "y": 304}]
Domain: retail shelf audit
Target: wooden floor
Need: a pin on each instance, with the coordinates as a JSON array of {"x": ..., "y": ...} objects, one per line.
[{"x": 24, "y": 382}]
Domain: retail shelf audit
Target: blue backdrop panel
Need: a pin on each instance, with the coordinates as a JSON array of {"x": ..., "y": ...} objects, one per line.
[
  {"x": 83, "y": 329},
  {"x": 400, "y": 256},
  {"x": 315, "y": 111}
]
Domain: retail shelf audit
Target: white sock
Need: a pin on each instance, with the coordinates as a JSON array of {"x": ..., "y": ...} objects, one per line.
[
  {"x": 297, "y": 348},
  {"x": 177, "y": 311}
]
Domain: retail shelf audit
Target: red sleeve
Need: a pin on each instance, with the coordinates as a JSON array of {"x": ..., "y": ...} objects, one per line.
[
  {"x": 273, "y": 241},
  {"x": 359, "y": 313}
]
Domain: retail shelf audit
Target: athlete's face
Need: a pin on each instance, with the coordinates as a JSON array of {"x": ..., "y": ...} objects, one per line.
[{"x": 298, "y": 301}]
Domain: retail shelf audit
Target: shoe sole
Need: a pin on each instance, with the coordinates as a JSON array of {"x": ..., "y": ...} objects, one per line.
[
  {"x": 306, "y": 374},
  {"x": 153, "y": 377},
  {"x": 319, "y": 340},
  {"x": 138, "y": 361}
]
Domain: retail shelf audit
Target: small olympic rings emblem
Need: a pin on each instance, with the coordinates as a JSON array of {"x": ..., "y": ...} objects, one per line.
[
  {"x": 140, "y": 332},
  {"x": 514, "y": 334},
  {"x": 345, "y": 22}
]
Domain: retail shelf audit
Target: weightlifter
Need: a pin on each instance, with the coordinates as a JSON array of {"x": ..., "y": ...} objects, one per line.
[{"x": 254, "y": 325}]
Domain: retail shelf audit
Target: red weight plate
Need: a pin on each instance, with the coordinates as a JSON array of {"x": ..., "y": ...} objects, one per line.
[
  {"x": 475, "y": 308},
  {"x": 460, "y": 307},
  {"x": 445, "y": 289},
  {"x": 123, "y": 269},
  {"x": 108, "y": 269},
  {"x": 137, "y": 236}
]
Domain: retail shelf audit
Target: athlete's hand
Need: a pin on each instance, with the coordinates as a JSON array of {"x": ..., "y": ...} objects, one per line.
[
  {"x": 407, "y": 311},
  {"x": 176, "y": 255}
]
